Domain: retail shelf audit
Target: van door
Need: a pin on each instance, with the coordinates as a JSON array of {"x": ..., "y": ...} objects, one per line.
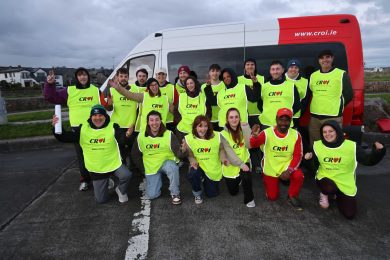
[{"x": 148, "y": 60}]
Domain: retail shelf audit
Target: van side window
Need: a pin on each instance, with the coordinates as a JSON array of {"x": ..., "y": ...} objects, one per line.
[
  {"x": 200, "y": 60},
  {"x": 306, "y": 53},
  {"x": 134, "y": 64}
]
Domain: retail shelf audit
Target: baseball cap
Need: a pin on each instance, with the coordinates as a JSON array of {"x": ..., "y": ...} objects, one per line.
[
  {"x": 325, "y": 52},
  {"x": 284, "y": 112},
  {"x": 293, "y": 62},
  {"x": 161, "y": 70}
]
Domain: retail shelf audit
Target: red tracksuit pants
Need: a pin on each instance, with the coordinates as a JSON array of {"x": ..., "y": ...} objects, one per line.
[{"x": 271, "y": 185}]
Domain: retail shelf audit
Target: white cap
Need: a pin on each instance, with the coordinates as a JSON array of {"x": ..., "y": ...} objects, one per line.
[{"x": 161, "y": 70}]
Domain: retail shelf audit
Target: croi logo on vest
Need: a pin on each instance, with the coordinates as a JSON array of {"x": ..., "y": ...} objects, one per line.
[
  {"x": 236, "y": 146},
  {"x": 157, "y": 106},
  {"x": 124, "y": 99},
  {"x": 275, "y": 93},
  {"x": 229, "y": 96},
  {"x": 322, "y": 82},
  {"x": 85, "y": 98},
  {"x": 97, "y": 140},
  {"x": 280, "y": 148},
  {"x": 332, "y": 159},
  {"x": 191, "y": 106},
  {"x": 203, "y": 150},
  {"x": 152, "y": 146}
]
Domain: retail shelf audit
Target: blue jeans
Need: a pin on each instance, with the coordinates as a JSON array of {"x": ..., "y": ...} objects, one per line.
[
  {"x": 154, "y": 182},
  {"x": 195, "y": 176}
]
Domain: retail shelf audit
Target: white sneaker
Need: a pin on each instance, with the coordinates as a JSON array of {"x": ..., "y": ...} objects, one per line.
[
  {"x": 198, "y": 200},
  {"x": 251, "y": 204},
  {"x": 324, "y": 202},
  {"x": 111, "y": 183},
  {"x": 83, "y": 186},
  {"x": 176, "y": 199},
  {"x": 122, "y": 197}
]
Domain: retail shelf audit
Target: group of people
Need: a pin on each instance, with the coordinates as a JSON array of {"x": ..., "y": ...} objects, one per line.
[{"x": 229, "y": 127}]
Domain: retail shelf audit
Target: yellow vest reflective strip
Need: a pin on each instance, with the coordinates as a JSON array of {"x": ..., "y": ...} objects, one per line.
[
  {"x": 240, "y": 150},
  {"x": 157, "y": 103},
  {"x": 206, "y": 152},
  {"x": 278, "y": 152},
  {"x": 301, "y": 85},
  {"x": 189, "y": 108},
  {"x": 100, "y": 148},
  {"x": 232, "y": 97},
  {"x": 214, "y": 109},
  {"x": 338, "y": 164},
  {"x": 155, "y": 151},
  {"x": 125, "y": 110},
  {"x": 168, "y": 91},
  {"x": 327, "y": 89},
  {"x": 80, "y": 102},
  {"x": 253, "y": 110},
  {"x": 275, "y": 97},
  {"x": 180, "y": 89}
]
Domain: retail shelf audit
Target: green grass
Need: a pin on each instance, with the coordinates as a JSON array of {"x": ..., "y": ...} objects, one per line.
[
  {"x": 377, "y": 76},
  {"x": 27, "y": 130},
  {"x": 384, "y": 96},
  {"x": 25, "y": 117}
]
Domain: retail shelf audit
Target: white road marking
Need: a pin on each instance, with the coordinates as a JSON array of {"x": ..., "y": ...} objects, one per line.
[{"x": 138, "y": 244}]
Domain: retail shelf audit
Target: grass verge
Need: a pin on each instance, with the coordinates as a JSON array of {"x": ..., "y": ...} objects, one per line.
[{"x": 28, "y": 130}]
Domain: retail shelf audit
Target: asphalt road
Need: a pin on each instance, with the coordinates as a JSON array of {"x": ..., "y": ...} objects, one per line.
[{"x": 44, "y": 216}]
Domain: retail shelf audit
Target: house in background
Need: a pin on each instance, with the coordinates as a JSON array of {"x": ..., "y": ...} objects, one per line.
[{"x": 18, "y": 75}]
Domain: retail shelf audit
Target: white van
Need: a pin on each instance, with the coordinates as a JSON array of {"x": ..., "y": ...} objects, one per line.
[{"x": 229, "y": 44}]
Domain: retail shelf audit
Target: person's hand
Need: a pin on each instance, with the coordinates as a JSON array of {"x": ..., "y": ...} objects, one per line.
[
  {"x": 54, "y": 120},
  {"x": 194, "y": 165},
  {"x": 285, "y": 175},
  {"x": 245, "y": 168},
  {"x": 226, "y": 162},
  {"x": 253, "y": 77},
  {"x": 112, "y": 83},
  {"x": 308, "y": 156},
  {"x": 255, "y": 130},
  {"x": 129, "y": 131},
  {"x": 51, "y": 78},
  {"x": 378, "y": 145}
]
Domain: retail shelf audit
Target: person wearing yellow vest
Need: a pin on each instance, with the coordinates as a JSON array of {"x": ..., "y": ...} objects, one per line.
[
  {"x": 158, "y": 149},
  {"x": 234, "y": 95},
  {"x": 167, "y": 89},
  {"x": 336, "y": 160},
  {"x": 191, "y": 104},
  {"x": 331, "y": 90},
  {"x": 99, "y": 138},
  {"x": 151, "y": 99},
  {"x": 235, "y": 137},
  {"x": 213, "y": 80},
  {"x": 205, "y": 155},
  {"x": 282, "y": 148},
  {"x": 275, "y": 94},
  {"x": 79, "y": 98},
  {"x": 124, "y": 111},
  {"x": 250, "y": 72},
  {"x": 142, "y": 76}
]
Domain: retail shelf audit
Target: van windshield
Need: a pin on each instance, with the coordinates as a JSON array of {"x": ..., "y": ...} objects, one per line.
[{"x": 200, "y": 60}]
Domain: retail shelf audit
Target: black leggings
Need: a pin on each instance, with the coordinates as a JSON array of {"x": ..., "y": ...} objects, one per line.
[
  {"x": 233, "y": 185},
  {"x": 346, "y": 204}
]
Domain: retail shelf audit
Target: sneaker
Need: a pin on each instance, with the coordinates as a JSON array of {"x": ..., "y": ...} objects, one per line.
[
  {"x": 83, "y": 186},
  {"x": 324, "y": 202},
  {"x": 176, "y": 199},
  {"x": 198, "y": 200},
  {"x": 111, "y": 184},
  {"x": 251, "y": 204},
  {"x": 121, "y": 197},
  {"x": 295, "y": 202}
]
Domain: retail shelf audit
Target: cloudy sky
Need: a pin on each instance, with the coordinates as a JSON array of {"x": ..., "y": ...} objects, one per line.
[{"x": 95, "y": 33}]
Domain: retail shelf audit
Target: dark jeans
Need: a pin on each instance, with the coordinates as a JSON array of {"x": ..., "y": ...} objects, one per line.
[
  {"x": 346, "y": 204},
  {"x": 84, "y": 173},
  {"x": 233, "y": 185},
  {"x": 195, "y": 176},
  {"x": 125, "y": 147}
]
